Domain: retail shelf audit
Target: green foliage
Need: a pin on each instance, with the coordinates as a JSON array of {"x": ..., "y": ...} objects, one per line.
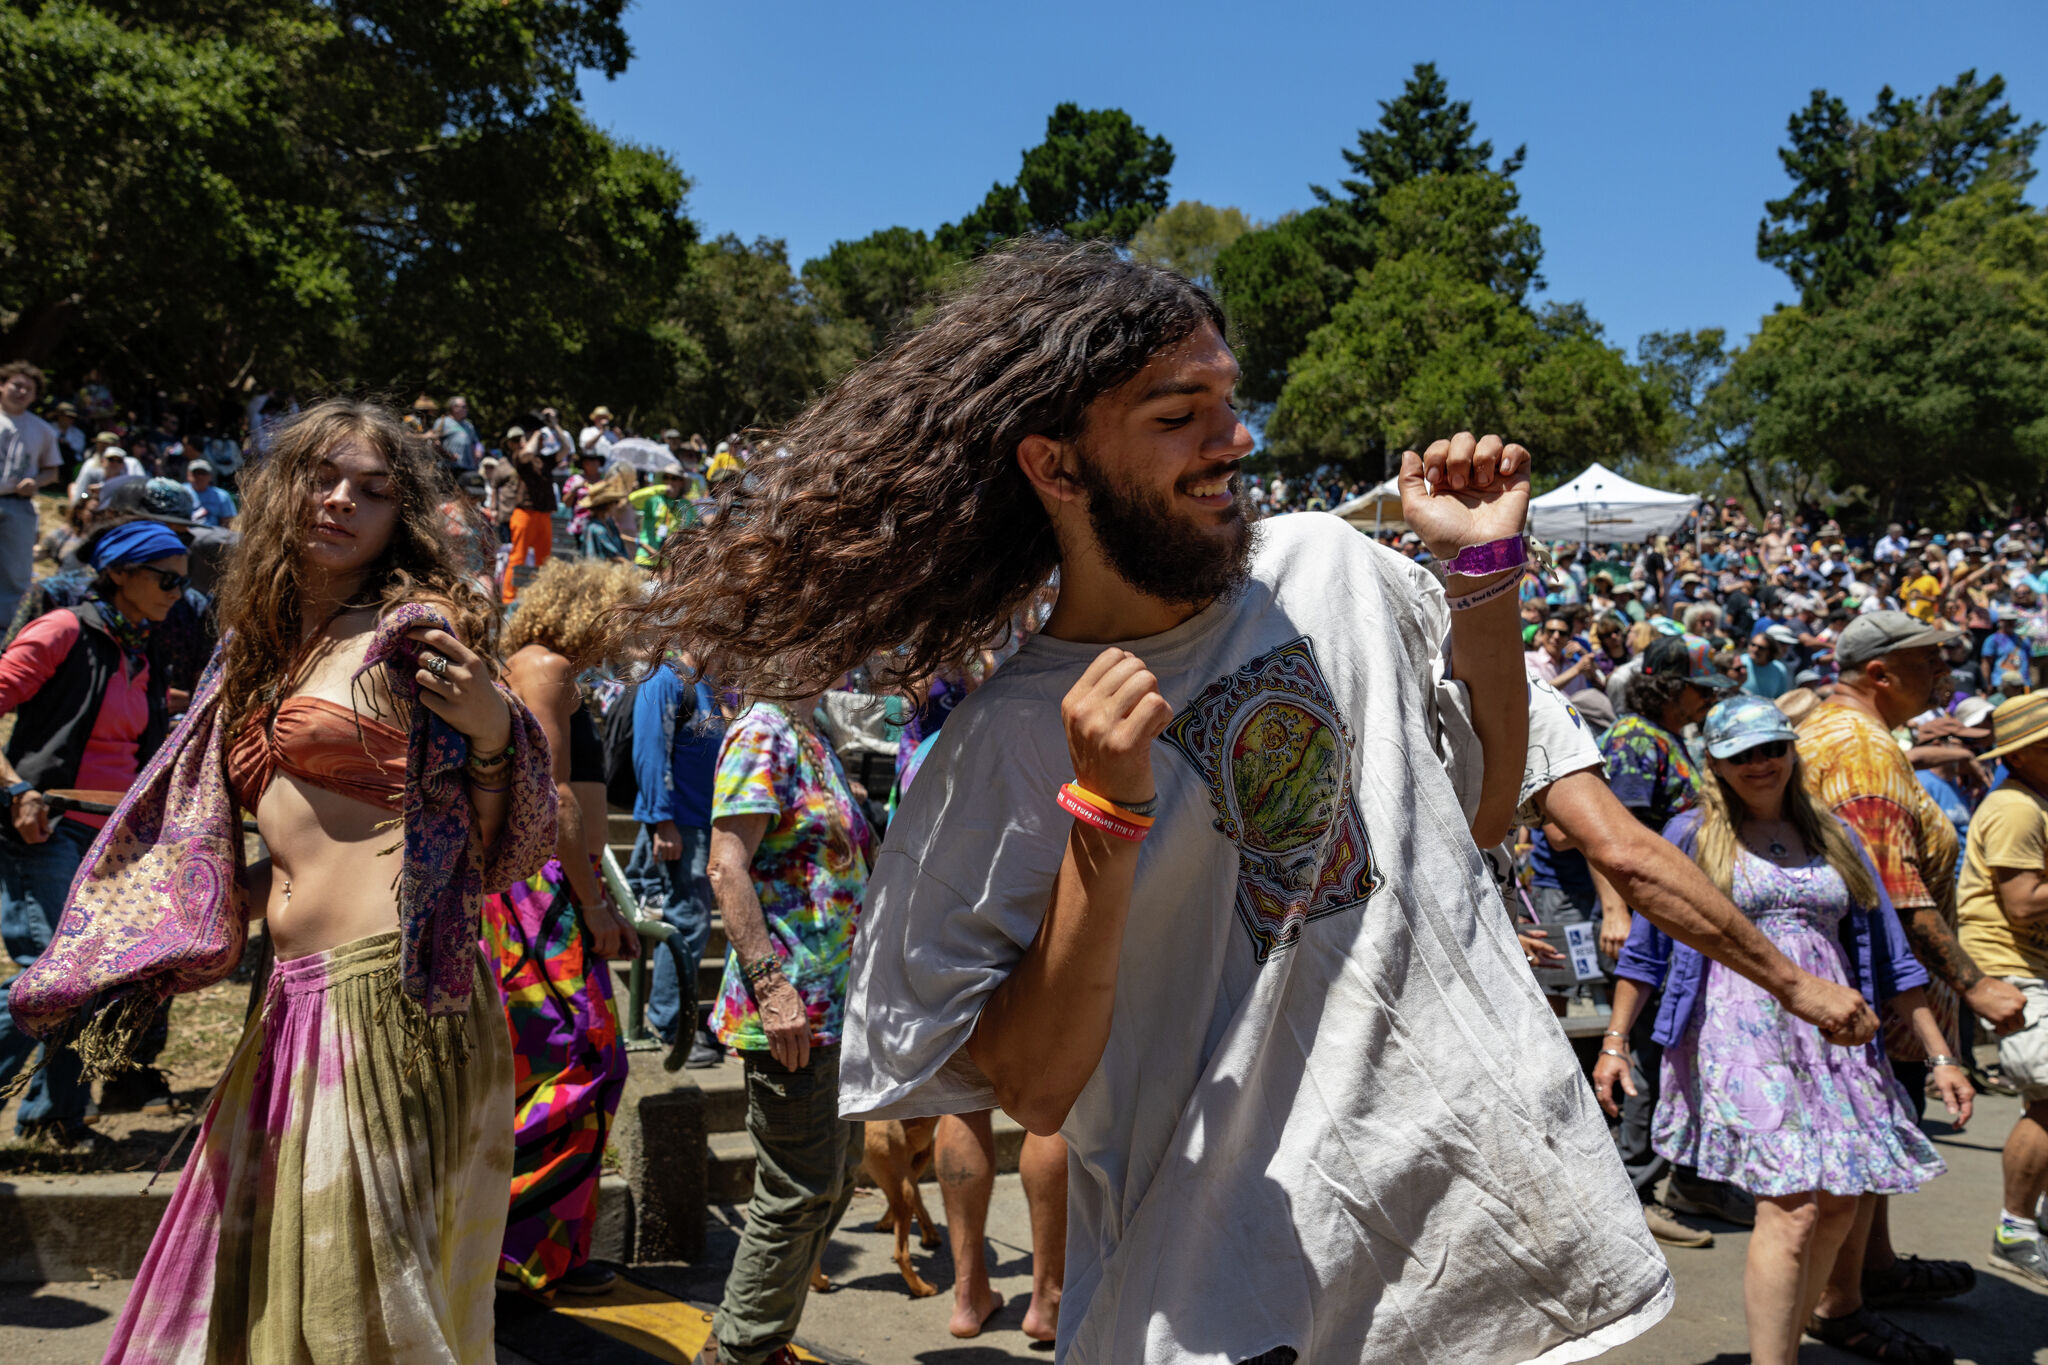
[
  {"x": 1423, "y": 131},
  {"x": 1278, "y": 285},
  {"x": 1435, "y": 337},
  {"x": 1859, "y": 185},
  {"x": 1097, "y": 174},
  {"x": 381, "y": 194},
  {"x": 1188, "y": 238},
  {"x": 760, "y": 350},
  {"x": 1926, "y": 390},
  {"x": 878, "y": 284}
]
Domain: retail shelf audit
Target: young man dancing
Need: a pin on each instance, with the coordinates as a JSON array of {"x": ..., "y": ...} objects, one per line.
[{"x": 1187, "y": 881}]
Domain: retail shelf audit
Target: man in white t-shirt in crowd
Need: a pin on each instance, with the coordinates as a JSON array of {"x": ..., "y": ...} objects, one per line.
[
  {"x": 1187, "y": 881},
  {"x": 28, "y": 461},
  {"x": 598, "y": 436}
]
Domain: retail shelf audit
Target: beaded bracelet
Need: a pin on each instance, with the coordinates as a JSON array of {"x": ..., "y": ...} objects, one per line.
[
  {"x": 760, "y": 969},
  {"x": 1102, "y": 813}
]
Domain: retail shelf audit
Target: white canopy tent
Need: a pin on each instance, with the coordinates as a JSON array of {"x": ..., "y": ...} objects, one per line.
[
  {"x": 1600, "y": 505},
  {"x": 1376, "y": 509}
]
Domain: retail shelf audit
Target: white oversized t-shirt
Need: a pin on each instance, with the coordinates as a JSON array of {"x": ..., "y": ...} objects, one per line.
[{"x": 1334, "y": 1112}]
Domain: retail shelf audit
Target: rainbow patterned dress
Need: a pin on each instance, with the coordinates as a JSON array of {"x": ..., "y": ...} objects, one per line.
[{"x": 569, "y": 1069}]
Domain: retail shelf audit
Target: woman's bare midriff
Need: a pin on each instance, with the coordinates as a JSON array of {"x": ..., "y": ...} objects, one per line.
[{"x": 330, "y": 851}]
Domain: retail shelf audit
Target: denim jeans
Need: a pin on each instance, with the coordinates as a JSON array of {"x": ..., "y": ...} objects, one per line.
[
  {"x": 1644, "y": 1165},
  {"x": 34, "y": 881},
  {"x": 680, "y": 893},
  {"x": 806, "y": 1159},
  {"x": 17, "y": 554}
]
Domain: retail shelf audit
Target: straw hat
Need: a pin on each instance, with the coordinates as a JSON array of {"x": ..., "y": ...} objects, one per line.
[
  {"x": 2017, "y": 724},
  {"x": 609, "y": 491}
]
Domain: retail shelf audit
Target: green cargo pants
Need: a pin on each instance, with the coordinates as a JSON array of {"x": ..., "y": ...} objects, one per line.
[{"x": 805, "y": 1161}]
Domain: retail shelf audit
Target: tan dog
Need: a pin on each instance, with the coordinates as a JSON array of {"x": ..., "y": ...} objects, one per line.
[{"x": 898, "y": 1152}]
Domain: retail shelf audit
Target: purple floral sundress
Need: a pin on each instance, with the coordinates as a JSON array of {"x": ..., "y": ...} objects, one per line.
[{"x": 1756, "y": 1097}]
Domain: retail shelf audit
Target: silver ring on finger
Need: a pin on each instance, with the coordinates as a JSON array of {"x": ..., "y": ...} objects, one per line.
[{"x": 437, "y": 664}]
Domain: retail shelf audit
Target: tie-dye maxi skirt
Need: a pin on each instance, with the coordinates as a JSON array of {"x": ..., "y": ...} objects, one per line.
[
  {"x": 344, "y": 1201},
  {"x": 569, "y": 1069}
]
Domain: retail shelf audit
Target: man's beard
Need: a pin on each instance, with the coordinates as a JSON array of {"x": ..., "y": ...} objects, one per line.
[{"x": 1155, "y": 551}]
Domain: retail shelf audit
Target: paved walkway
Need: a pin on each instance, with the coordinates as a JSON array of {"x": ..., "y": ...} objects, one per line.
[{"x": 870, "y": 1318}]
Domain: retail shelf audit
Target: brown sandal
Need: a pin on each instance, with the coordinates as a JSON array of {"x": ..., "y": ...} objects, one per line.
[
  {"x": 1864, "y": 1333},
  {"x": 1908, "y": 1279}
]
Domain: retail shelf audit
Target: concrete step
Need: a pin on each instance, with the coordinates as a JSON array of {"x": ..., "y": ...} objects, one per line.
[{"x": 729, "y": 1164}]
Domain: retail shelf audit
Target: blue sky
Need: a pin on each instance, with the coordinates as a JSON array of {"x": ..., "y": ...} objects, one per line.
[{"x": 1652, "y": 127}]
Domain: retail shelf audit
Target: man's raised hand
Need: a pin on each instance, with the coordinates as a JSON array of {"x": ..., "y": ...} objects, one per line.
[
  {"x": 1465, "y": 491},
  {"x": 1112, "y": 716}
]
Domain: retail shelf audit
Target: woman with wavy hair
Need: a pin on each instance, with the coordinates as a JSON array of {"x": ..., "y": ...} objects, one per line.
[
  {"x": 1751, "y": 1095},
  {"x": 346, "y": 1192},
  {"x": 551, "y": 936}
]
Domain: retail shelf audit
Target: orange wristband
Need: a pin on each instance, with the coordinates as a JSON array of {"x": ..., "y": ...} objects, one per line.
[{"x": 1076, "y": 801}]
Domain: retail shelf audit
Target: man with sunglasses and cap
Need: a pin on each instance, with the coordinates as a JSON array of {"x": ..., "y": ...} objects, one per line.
[
  {"x": 89, "y": 712},
  {"x": 2004, "y": 928},
  {"x": 1892, "y": 669}
]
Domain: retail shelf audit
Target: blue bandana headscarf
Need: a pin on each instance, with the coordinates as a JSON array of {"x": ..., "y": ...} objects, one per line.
[{"x": 135, "y": 542}]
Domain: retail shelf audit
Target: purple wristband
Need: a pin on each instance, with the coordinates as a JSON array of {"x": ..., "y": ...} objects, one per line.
[{"x": 1475, "y": 561}]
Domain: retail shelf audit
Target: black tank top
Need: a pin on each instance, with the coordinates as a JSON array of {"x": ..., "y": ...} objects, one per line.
[{"x": 586, "y": 750}]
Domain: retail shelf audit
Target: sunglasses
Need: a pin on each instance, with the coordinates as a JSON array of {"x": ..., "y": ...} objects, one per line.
[
  {"x": 165, "y": 579},
  {"x": 1772, "y": 748}
]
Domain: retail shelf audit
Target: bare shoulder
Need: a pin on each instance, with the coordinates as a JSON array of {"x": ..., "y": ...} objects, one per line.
[{"x": 538, "y": 666}]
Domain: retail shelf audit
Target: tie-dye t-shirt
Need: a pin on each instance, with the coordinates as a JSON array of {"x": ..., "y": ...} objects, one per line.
[
  {"x": 808, "y": 871},
  {"x": 1855, "y": 766},
  {"x": 1649, "y": 769}
]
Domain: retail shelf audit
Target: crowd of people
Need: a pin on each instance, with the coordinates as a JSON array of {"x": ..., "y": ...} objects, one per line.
[{"x": 1771, "y": 798}]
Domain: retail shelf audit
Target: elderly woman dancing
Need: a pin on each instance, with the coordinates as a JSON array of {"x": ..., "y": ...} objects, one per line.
[{"x": 346, "y": 1196}]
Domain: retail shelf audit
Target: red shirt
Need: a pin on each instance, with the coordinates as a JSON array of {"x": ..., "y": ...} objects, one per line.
[{"x": 109, "y": 762}]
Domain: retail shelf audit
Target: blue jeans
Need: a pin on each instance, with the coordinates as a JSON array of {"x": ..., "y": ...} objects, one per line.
[
  {"x": 679, "y": 892},
  {"x": 17, "y": 554},
  {"x": 34, "y": 881}
]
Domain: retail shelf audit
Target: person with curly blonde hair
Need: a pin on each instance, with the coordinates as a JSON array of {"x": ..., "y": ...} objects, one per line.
[{"x": 550, "y": 936}]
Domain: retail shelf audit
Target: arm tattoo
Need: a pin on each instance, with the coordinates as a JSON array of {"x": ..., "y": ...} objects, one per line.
[{"x": 1934, "y": 943}]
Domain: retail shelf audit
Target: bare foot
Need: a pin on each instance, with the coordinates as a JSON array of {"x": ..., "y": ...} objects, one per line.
[
  {"x": 970, "y": 1318},
  {"x": 1042, "y": 1318}
]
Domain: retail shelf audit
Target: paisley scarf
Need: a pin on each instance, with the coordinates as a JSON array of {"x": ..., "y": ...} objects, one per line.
[{"x": 157, "y": 907}]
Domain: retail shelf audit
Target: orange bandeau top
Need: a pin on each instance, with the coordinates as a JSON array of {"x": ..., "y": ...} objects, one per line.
[{"x": 323, "y": 744}]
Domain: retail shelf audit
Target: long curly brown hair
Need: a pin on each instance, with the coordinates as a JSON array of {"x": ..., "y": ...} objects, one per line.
[
  {"x": 898, "y": 524},
  {"x": 569, "y": 608},
  {"x": 264, "y": 590}
]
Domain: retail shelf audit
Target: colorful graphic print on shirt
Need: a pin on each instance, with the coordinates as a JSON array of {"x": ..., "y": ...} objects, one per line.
[{"x": 1276, "y": 755}]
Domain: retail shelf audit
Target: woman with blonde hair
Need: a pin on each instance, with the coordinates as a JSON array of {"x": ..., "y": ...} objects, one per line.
[
  {"x": 551, "y": 936},
  {"x": 345, "y": 1196},
  {"x": 1751, "y": 1095}
]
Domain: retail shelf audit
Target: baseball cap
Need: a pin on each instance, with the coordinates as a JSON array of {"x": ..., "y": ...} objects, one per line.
[
  {"x": 1877, "y": 633},
  {"x": 1782, "y": 635},
  {"x": 1973, "y": 711},
  {"x": 1743, "y": 722},
  {"x": 2017, "y": 724},
  {"x": 106, "y": 438},
  {"x": 158, "y": 499},
  {"x": 515, "y": 433},
  {"x": 199, "y": 467},
  {"x": 671, "y": 434},
  {"x": 1678, "y": 656}
]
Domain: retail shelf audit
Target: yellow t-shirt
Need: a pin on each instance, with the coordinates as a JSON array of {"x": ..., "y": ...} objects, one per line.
[
  {"x": 1920, "y": 595},
  {"x": 2010, "y": 830}
]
